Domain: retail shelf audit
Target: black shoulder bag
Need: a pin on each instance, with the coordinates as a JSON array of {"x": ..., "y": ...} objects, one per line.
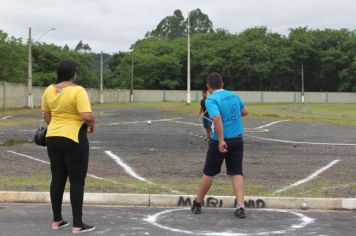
[{"x": 40, "y": 135}]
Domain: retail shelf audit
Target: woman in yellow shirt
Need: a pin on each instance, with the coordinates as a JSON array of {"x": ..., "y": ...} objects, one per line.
[{"x": 68, "y": 113}]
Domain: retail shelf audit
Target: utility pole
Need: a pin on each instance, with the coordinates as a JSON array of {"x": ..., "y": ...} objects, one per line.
[
  {"x": 302, "y": 84},
  {"x": 101, "y": 79},
  {"x": 29, "y": 81},
  {"x": 132, "y": 75},
  {"x": 188, "y": 61}
]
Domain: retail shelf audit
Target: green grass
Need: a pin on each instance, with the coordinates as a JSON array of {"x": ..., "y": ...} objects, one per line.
[
  {"x": 221, "y": 186},
  {"x": 321, "y": 189}
]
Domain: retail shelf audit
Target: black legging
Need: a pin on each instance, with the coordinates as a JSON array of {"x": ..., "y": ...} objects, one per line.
[{"x": 68, "y": 158}]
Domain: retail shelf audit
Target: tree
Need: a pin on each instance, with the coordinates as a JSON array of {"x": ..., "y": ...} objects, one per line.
[
  {"x": 199, "y": 22},
  {"x": 82, "y": 47},
  {"x": 170, "y": 27}
]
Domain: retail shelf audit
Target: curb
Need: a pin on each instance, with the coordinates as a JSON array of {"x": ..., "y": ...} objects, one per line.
[{"x": 155, "y": 200}]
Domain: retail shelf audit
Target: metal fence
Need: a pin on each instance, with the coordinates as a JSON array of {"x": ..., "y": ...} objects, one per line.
[{"x": 15, "y": 96}]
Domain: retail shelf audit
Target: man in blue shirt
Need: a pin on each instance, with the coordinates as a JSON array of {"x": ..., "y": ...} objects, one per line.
[{"x": 226, "y": 110}]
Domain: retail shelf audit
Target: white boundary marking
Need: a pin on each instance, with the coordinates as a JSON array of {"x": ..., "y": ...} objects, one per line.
[
  {"x": 310, "y": 177},
  {"x": 183, "y": 122},
  {"x": 300, "y": 142},
  {"x": 305, "y": 220},
  {"x": 259, "y": 129},
  {"x": 46, "y": 162},
  {"x": 144, "y": 121},
  {"x": 272, "y": 123},
  {"x": 6, "y": 117},
  {"x": 126, "y": 168},
  {"x": 27, "y": 130}
]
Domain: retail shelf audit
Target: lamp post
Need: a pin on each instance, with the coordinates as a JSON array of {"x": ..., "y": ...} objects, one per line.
[
  {"x": 188, "y": 60},
  {"x": 29, "y": 80},
  {"x": 132, "y": 76},
  {"x": 302, "y": 84},
  {"x": 101, "y": 79}
]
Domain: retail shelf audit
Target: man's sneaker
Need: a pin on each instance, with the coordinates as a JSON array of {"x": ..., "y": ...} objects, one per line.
[
  {"x": 240, "y": 212},
  {"x": 85, "y": 228},
  {"x": 196, "y": 207}
]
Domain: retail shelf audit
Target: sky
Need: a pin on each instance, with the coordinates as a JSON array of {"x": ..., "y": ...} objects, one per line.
[{"x": 114, "y": 25}]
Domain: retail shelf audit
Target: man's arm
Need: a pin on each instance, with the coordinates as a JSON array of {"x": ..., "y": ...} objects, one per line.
[
  {"x": 220, "y": 132},
  {"x": 244, "y": 111}
]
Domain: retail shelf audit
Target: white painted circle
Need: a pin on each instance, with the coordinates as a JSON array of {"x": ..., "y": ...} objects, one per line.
[{"x": 305, "y": 220}]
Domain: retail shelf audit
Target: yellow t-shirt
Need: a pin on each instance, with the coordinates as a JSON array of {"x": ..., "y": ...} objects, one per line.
[{"x": 65, "y": 104}]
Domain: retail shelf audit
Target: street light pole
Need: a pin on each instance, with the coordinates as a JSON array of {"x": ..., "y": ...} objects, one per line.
[
  {"x": 45, "y": 33},
  {"x": 302, "y": 84},
  {"x": 29, "y": 86},
  {"x": 188, "y": 61},
  {"x": 101, "y": 78},
  {"x": 132, "y": 75},
  {"x": 29, "y": 80}
]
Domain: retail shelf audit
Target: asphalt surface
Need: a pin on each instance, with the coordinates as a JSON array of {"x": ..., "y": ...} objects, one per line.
[
  {"x": 174, "y": 149},
  {"x": 30, "y": 220}
]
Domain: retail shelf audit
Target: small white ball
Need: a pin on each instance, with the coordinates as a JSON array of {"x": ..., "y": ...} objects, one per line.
[
  {"x": 149, "y": 122},
  {"x": 303, "y": 205}
]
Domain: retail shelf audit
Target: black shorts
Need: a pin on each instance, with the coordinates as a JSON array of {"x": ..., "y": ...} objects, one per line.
[
  {"x": 233, "y": 157},
  {"x": 207, "y": 123}
]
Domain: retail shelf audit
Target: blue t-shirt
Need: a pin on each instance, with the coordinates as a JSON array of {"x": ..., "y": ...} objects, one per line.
[{"x": 228, "y": 105}]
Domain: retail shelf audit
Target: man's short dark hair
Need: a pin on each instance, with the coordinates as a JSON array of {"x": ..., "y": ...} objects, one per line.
[
  {"x": 66, "y": 70},
  {"x": 204, "y": 91},
  {"x": 214, "y": 80}
]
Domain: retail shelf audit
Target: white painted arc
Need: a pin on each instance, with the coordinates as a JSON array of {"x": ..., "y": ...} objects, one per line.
[
  {"x": 47, "y": 163},
  {"x": 126, "y": 168},
  {"x": 301, "y": 142},
  {"x": 305, "y": 220},
  {"x": 309, "y": 178}
]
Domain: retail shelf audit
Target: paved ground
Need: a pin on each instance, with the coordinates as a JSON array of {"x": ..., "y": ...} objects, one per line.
[
  {"x": 170, "y": 152},
  {"x": 30, "y": 220}
]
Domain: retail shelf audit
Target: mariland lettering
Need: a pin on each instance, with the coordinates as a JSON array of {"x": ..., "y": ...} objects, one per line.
[{"x": 214, "y": 202}]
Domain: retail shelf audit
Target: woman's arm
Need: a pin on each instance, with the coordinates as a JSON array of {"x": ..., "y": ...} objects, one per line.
[
  {"x": 47, "y": 116},
  {"x": 89, "y": 120}
]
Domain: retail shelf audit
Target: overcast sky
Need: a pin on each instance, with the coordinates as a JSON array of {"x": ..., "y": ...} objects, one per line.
[{"x": 113, "y": 25}]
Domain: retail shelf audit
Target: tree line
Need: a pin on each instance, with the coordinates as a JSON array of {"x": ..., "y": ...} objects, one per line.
[{"x": 255, "y": 59}]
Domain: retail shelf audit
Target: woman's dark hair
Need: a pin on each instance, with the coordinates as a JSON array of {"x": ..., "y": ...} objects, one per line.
[
  {"x": 214, "y": 80},
  {"x": 66, "y": 70}
]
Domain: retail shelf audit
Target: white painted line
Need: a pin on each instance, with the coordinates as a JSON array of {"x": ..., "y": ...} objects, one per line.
[
  {"x": 299, "y": 142},
  {"x": 304, "y": 221},
  {"x": 95, "y": 148},
  {"x": 272, "y": 123},
  {"x": 255, "y": 130},
  {"x": 144, "y": 121},
  {"x": 310, "y": 177},
  {"x": 6, "y": 117},
  {"x": 29, "y": 157},
  {"x": 127, "y": 168},
  {"x": 182, "y": 122},
  {"x": 46, "y": 162},
  {"x": 27, "y": 130},
  {"x": 94, "y": 142}
]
